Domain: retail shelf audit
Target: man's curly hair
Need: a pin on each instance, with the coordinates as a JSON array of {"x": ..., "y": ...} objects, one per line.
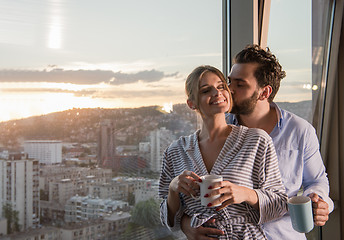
[{"x": 268, "y": 72}]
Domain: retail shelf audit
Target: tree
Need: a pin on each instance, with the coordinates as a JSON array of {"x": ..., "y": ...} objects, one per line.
[
  {"x": 12, "y": 218},
  {"x": 146, "y": 213},
  {"x": 131, "y": 199}
]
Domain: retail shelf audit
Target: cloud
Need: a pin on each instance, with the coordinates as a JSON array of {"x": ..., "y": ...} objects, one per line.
[
  {"x": 145, "y": 76},
  {"x": 138, "y": 94},
  {"x": 101, "y": 93},
  {"x": 77, "y": 93},
  {"x": 83, "y": 77}
]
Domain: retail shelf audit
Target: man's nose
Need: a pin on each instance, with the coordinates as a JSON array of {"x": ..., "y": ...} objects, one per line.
[{"x": 231, "y": 88}]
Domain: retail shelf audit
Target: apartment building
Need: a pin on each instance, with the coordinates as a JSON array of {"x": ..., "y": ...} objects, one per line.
[
  {"x": 46, "y": 151},
  {"x": 119, "y": 188},
  {"x": 42, "y": 233},
  {"x": 150, "y": 191},
  {"x": 19, "y": 187},
  {"x": 88, "y": 208},
  {"x": 60, "y": 182},
  {"x": 160, "y": 139},
  {"x": 106, "y": 143},
  {"x": 110, "y": 227}
]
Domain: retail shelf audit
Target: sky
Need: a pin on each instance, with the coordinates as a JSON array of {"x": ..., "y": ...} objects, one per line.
[{"x": 60, "y": 54}]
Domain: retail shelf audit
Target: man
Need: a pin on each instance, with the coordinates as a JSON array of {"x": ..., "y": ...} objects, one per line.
[{"x": 254, "y": 81}]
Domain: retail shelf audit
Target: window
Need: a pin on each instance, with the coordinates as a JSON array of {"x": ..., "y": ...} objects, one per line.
[
  {"x": 292, "y": 44},
  {"x": 303, "y": 50},
  {"x": 65, "y": 65}
]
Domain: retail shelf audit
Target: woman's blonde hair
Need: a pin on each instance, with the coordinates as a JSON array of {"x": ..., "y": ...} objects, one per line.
[{"x": 193, "y": 80}]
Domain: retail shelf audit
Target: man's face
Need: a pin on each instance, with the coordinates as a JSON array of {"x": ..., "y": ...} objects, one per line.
[{"x": 244, "y": 88}]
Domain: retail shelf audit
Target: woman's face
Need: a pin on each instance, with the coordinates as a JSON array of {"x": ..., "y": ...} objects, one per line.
[{"x": 213, "y": 95}]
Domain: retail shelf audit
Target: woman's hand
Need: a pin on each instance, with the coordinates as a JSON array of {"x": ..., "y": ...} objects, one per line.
[
  {"x": 185, "y": 183},
  {"x": 233, "y": 194}
]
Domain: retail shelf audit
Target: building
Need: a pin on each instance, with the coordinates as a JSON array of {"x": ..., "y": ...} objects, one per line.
[
  {"x": 42, "y": 233},
  {"x": 112, "y": 226},
  {"x": 144, "y": 147},
  {"x": 150, "y": 191},
  {"x": 62, "y": 190},
  {"x": 106, "y": 144},
  {"x": 78, "y": 209},
  {"x": 61, "y": 183},
  {"x": 46, "y": 151},
  {"x": 112, "y": 190},
  {"x": 160, "y": 139},
  {"x": 120, "y": 188},
  {"x": 52, "y": 212},
  {"x": 3, "y": 226},
  {"x": 19, "y": 187}
]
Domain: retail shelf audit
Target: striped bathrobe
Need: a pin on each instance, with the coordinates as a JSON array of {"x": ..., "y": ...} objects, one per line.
[{"x": 247, "y": 159}]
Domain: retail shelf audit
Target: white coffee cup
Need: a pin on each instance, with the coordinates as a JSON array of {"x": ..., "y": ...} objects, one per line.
[
  {"x": 207, "y": 181},
  {"x": 301, "y": 213}
]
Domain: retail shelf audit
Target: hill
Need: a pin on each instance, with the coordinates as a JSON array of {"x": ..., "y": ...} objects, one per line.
[
  {"x": 82, "y": 125},
  {"x": 134, "y": 124}
]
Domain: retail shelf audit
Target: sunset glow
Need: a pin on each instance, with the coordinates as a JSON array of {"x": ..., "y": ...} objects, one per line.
[{"x": 58, "y": 55}]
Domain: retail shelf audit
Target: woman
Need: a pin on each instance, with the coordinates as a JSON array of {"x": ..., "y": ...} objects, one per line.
[{"x": 251, "y": 191}]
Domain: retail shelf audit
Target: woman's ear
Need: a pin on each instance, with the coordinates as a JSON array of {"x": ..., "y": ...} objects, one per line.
[{"x": 190, "y": 104}]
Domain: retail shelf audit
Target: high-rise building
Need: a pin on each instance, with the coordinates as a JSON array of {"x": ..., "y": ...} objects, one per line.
[
  {"x": 106, "y": 144},
  {"x": 160, "y": 139},
  {"x": 19, "y": 187},
  {"x": 46, "y": 151}
]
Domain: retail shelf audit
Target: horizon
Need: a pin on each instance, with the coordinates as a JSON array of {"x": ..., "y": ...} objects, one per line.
[{"x": 163, "y": 109}]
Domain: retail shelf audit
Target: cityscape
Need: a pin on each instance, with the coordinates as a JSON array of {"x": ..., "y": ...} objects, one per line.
[
  {"x": 87, "y": 173},
  {"x": 90, "y": 173}
]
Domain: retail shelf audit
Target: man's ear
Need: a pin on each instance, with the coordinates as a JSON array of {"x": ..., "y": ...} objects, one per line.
[
  {"x": 190, "y": 104},
  {"x": 265, "y": 93}
]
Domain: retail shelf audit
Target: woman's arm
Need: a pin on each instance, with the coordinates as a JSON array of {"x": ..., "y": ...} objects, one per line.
[
  {"x": 271, "y": 192},
  {"x": 184, "y": 183},
  {"x": 170, "y": 187},
  {"x": 173, "y": 205}
]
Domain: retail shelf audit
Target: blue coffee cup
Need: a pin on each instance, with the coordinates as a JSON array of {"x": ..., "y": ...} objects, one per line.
[{"x": 301, "y": 213}]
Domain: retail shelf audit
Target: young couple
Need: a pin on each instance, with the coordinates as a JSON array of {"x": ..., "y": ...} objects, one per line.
[{"x": 256, "y": 180}]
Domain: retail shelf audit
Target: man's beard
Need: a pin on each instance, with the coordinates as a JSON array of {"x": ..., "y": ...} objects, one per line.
[{"x": 247, "y": 106}]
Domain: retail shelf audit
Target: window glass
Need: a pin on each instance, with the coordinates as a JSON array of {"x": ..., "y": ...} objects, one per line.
[
  {"x": 113, "y": 54},
  {"x": 300, "y": 42},
  {"x": 94, "y": 90},
  {"x": 289, "y": 38}
]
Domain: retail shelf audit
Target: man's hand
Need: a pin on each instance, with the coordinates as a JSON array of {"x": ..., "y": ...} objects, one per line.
[
  {"x": 320, "y": 210},
  {"x": 200, "y": 233}
]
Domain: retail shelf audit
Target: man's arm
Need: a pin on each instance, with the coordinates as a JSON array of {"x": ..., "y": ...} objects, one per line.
[
  {"x": 315, "y": 181},
  {"x": 200, "y": 233}
]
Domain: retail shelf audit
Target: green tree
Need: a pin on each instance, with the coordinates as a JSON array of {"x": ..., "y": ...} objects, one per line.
[
  {"x": 146, "y": 213},
  {"x": 131, "y": 199},
  {"x": 12, "y": 218}
]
